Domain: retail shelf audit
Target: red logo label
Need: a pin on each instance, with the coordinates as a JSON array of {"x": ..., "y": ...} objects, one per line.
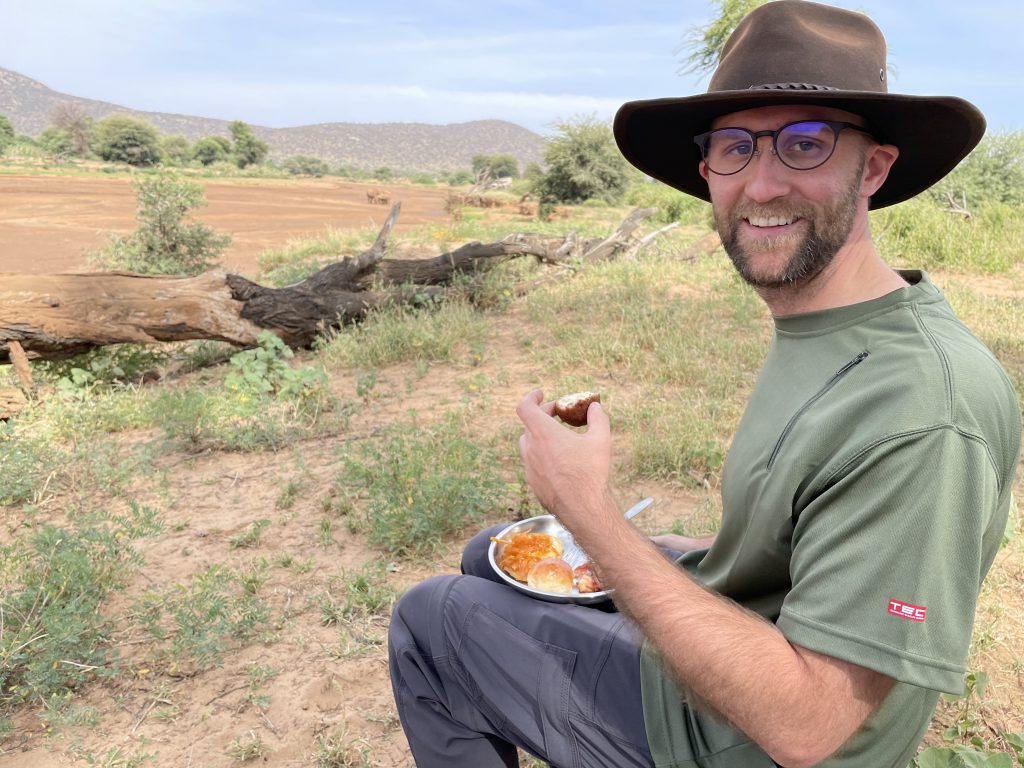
[{"x": 907, "y": 610}]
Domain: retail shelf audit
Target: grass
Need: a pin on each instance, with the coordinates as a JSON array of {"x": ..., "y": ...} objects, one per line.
[{"x": 421, "y": 486}]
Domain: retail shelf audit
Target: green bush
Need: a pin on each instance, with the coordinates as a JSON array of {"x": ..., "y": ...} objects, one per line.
[
  {"x": 164, "y": 242},
  {"x": 583, "y": 162},
  {"x": 497, "y": 166},
  {"x": 53, "y": 584},
  {"x": 123, "y": 139},
  {"x": 212, "y": 149},
  {"x": 175, "y": 150},
  {"x": 304, "y": 165},
  {"x": 247, "y": 149},
  {"x": 423, "y": 485},
  {"x": 6, "y": 130},
  {"x": 992, "y": 173},
  {"x": 56, "y": 141},
  {"x": 672, "y": 204}
]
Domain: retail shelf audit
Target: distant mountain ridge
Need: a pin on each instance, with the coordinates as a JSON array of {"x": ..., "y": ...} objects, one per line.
[{"x": 401, "y": 146}]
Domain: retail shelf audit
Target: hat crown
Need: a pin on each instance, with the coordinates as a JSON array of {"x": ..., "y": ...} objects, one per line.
[{"x": 800, "y": 45}]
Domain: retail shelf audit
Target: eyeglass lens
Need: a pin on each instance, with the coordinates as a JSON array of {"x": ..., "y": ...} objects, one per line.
[{"x": 802, "y": 146}]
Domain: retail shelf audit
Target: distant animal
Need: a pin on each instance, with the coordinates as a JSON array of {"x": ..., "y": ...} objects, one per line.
[{"x": 378, "y": 197}]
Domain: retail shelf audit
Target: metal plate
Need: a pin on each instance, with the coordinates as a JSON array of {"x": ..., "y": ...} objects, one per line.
[{"x": 573, "y": 555}]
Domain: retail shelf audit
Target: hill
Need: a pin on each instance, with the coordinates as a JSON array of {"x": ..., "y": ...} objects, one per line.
[{"x": 406, "y": 146}]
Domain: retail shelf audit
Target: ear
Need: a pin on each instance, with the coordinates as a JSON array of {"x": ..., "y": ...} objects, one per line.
[
  {"x": 703, "y": 170},
  {"x": 879, "y": 161}
]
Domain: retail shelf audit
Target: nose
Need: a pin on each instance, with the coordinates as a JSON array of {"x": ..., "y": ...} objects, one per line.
[{"x": 766, "y": 177}]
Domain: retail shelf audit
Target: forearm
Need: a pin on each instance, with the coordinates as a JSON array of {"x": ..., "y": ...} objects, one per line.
[{"x": 798, "y": 707}]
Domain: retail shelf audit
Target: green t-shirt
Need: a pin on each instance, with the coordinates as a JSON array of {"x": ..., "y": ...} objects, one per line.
[{"x": 864, "y": 497}]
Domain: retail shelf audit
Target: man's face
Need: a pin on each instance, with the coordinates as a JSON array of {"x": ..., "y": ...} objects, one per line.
[{"x": 781, "y": 227}]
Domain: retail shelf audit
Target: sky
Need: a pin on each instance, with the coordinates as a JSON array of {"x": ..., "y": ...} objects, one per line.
[{"x": 531, "y": 62}]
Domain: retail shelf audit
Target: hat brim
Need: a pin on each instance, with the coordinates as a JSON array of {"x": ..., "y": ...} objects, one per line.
[{"x": 933, "y": 133}]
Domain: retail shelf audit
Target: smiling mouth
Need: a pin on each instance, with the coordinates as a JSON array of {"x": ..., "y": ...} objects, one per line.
[{"x": 770, "y": 221}]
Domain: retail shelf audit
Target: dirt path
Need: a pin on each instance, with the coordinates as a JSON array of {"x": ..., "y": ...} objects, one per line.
[{"x": 51, "y": 223}]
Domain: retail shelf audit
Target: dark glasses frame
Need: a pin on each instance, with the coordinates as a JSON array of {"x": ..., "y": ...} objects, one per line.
[{"x": 837, "y": 127}]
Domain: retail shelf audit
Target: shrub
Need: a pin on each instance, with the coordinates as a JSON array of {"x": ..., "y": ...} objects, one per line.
[
  {"x": 165, "y": 243},
  {"x": 583, "y": 162},
  {"x": 211, "y": 149},
  {"x": 123, "y": 139},
  {"x": 175, "y": 150},
  {"x": 672, "y": 204},
  {"x": 56, "y": 141},
  {"x": 497, "y": 166},
  {"x": 422, "y": 486},
  {"x": 6, "y": 130},
  {"x": 304, "y": 165},
  {"x": 248, "y": 150},
  {"x": 992, "y": 173}
]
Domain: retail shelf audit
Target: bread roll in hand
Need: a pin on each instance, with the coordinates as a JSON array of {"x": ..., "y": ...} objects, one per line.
[
  {"x": 552, "y": 574},
  {"x": 572, "y": 409}
]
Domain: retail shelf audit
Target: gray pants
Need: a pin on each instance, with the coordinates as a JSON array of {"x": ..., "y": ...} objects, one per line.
[{"x": 479, "y": 669}]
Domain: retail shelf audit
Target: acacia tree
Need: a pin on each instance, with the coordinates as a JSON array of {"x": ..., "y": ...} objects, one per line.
[
  {"x": 248, "y": 149},
  {"x": 211, "y": 149},
  {"x": 705, "y": 43},
  {"x": 498, "y": 166},
  {"x": 76, "y": 123},
  {"x": 123, "y": 139},
  {"x": 165, "y": 242},
  {"x": 6, "y": 130},
  {"x": 583, "y": 162}
]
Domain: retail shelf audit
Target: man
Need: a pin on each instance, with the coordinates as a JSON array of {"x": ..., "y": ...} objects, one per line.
[{"x": 864, "y": 495}]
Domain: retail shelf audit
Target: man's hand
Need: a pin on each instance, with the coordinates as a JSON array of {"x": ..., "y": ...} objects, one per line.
[{"x": 567, "y": 470}]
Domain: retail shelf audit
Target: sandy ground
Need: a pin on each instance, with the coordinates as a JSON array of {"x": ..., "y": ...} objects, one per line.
[{"x": 50, "y": 224}]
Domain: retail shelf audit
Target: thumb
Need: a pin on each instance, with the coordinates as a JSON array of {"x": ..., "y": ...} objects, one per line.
[{"x": 597, "y": 418}]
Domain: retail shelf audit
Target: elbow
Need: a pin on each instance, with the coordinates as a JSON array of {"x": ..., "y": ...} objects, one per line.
[{"x": 803, "y": 750}]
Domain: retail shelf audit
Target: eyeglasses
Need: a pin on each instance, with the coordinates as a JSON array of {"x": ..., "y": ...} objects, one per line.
[{"x": 800, "y": 145}]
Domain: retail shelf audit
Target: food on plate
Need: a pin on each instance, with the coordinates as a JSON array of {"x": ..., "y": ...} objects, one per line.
[
  {"x": 524, "y": 550},
  {"x": 572, "y": 409},
  {"x": 552, "y": 574},
  {"x": 586, "y": 579}
]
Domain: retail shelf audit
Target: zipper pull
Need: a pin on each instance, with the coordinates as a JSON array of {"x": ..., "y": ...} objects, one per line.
[{"x": 856, "y": 361}]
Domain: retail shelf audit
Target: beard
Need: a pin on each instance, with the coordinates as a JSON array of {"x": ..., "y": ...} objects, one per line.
[{"x": 827, "y": 230}]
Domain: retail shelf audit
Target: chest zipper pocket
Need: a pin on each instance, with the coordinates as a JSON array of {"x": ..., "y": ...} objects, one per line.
[{"x": 817, "y": 396}]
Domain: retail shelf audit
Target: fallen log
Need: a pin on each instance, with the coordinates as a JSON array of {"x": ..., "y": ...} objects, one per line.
[{"x": 56, "y": 316}]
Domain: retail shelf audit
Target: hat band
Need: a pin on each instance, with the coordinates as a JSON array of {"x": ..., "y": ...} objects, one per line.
[{"x": 792, "y": 87}]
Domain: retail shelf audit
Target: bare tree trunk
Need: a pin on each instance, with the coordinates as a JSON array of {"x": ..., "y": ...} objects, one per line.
[{"x": 55, "y": 316}]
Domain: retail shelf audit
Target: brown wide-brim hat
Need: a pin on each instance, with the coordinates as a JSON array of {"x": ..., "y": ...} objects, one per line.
[{"x": 796, "y": 52}]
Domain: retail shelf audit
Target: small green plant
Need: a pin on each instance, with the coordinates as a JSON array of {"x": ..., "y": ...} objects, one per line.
[
  {"x": 200, "y": 621},
  {"x": 326, "y": 532},
  {"x": 289, "y": 495},
  {"x": 53, "y": 637},
  {"x": 248, "y": 747},
  {"x": 264, "y": 370},
  {"x": 338, "y": 751},
  {"x": 164, "y": 242},
  {"x": 251, "y": 536},
  {"x": 423, "y": 485},
  {"x": 974, "y": 744},
  {"x": 110, "y": 366},
  {"x": 357, "y": 595},
  {"x": 115, "y": 757}
]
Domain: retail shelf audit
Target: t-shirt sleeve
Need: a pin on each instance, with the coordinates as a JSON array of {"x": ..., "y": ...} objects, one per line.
[{"x": 888, "y": 557}]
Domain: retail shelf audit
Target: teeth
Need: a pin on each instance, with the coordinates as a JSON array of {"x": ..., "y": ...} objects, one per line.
[{"x": 770, "y": 221}]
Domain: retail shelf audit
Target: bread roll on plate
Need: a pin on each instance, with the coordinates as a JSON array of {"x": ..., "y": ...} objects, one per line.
[
  {"x": 572, "y": 409},
  {"x": 552, "y": 574}
]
